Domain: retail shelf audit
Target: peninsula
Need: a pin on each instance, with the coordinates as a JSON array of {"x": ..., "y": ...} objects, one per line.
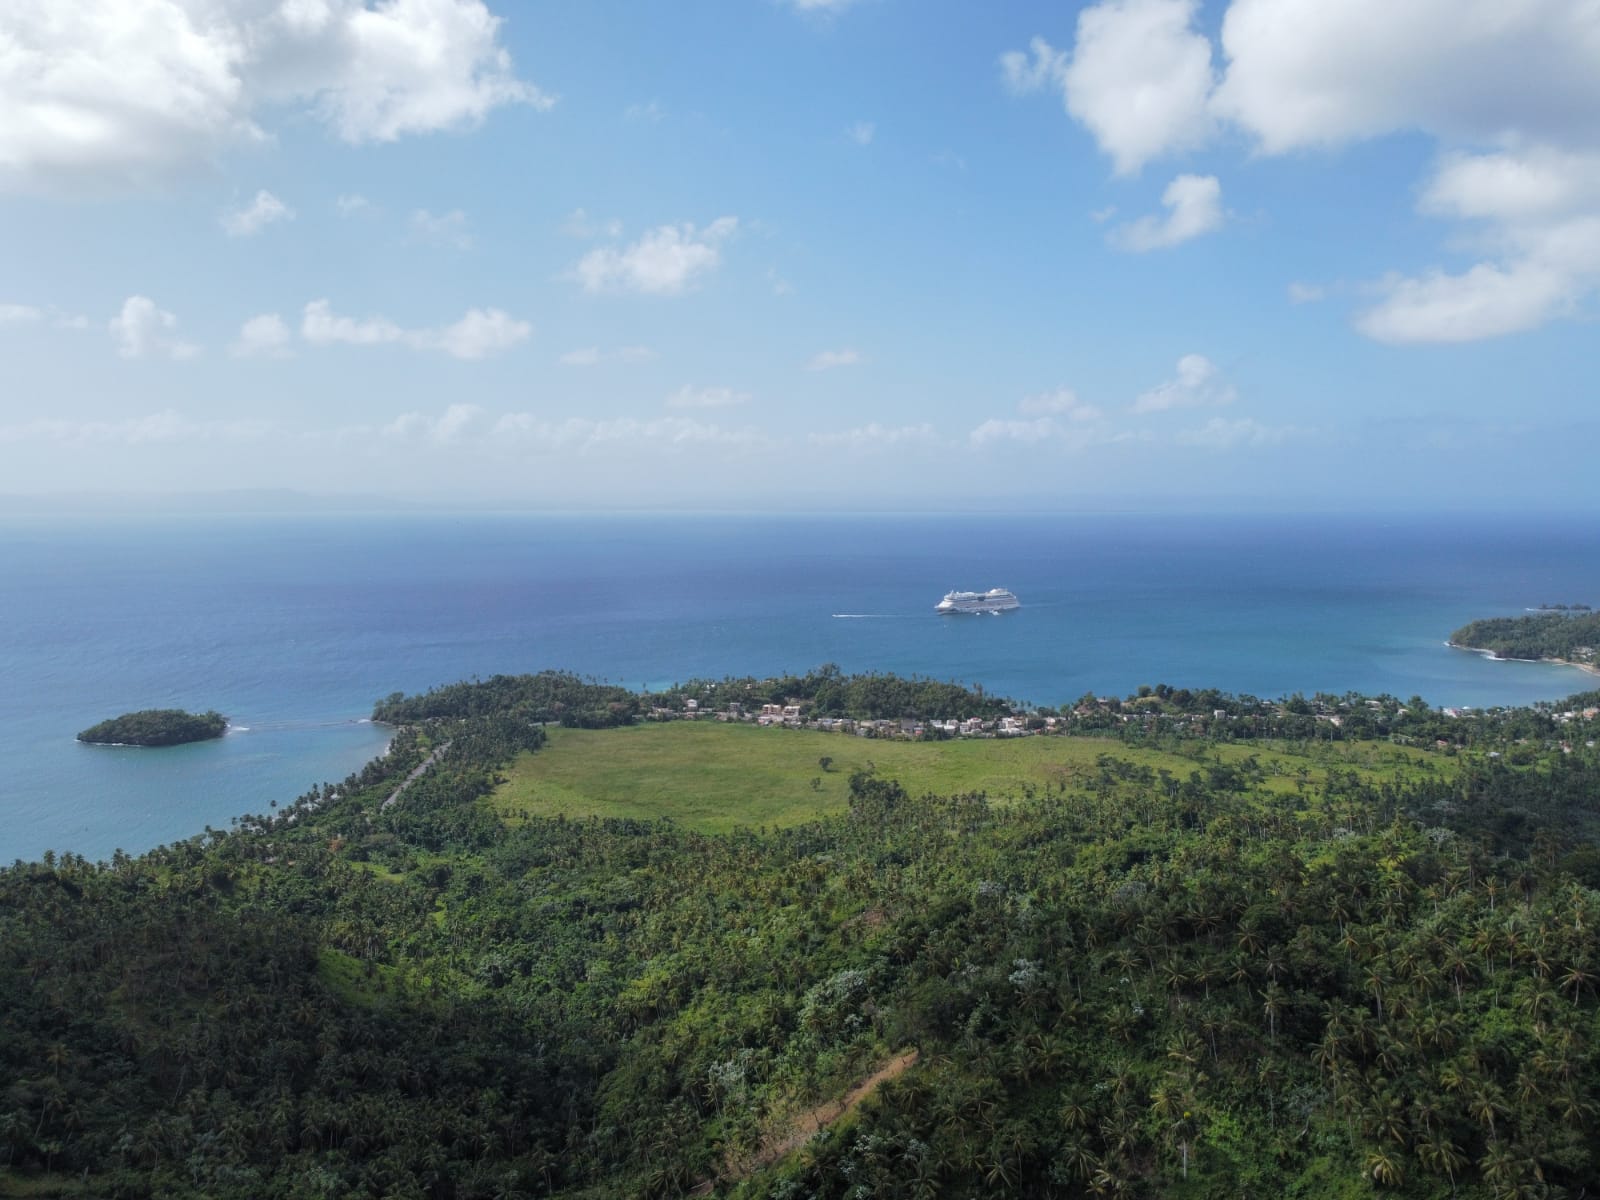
[
  {"x": 1570, "y": 636},
  {"x": 156, "y": 727}
]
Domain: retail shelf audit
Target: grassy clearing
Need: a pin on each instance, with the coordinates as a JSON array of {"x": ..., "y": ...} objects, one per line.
[{"x": 715, "y": 777}]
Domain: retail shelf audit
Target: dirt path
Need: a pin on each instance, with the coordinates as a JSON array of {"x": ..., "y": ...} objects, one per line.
[
  {"x": 807, "y": 1125},
  {"x": 417, "y": 772}
]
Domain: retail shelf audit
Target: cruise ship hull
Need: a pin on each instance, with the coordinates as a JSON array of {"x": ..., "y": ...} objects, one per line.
[{"x": 995, "y": 600}]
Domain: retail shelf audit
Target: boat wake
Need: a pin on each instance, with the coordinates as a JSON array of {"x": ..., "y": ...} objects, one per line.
[{"x": 869, "y": 616}]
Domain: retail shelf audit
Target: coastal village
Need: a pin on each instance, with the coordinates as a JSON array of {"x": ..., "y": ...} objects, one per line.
[{"x": 1100, "y": 711}]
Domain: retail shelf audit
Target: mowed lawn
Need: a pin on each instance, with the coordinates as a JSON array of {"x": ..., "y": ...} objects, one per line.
[{"x": 715, "y": 777}]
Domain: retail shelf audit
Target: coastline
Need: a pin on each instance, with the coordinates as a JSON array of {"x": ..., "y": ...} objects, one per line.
[{"x": 1586, "y": 668}]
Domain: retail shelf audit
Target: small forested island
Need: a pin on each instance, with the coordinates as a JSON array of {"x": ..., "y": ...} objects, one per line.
[
  {"x": 1569, "y": 634},
  {"x": 568, "y": 940},
  {"x": 156, "y": 727}
]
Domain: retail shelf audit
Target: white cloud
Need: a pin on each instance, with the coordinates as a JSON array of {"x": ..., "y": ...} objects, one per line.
[
  {"x": 482, "y": 332},
  {"x": 716, "y": 397},
  {"x": 19, "y": 314},
  {"x": 664, "y": 262},
  {"x": 996, "y": 430},
  {"x": 264, "y": 210},
  {"x": 580, "y": 225},
  {"x": 583, "y": 434},
  {"x": 1062, "y": 402},
  {"x": 320, "y": 326},
  {"x": 827, "y": 360},
  {"x": 861, "y": 133},
  {"x": 447, "y": 428},
  {"x": 141, "y": 330},
  {"x": 1027, "y": 72},
  {"x": 166, "y": 426},
  {"x": 1307, "y": 73},
  {"x": 1057, "y": 417},
  {"x": 1199, "y": 383},
  {"x": 448, "y": 230},
  {"x": 478, "y": 334},
  {"x": 110, "y": 93},
  {"x": 264, "y": 336},
  {"x": 1306, "y": 293},
  {"x": 1221, "y": 434},
  {"x": 1137, "y": 79},
  {"x": 1537, "y": 212},
  {"x": 593, "y": 356},
  {"x": 1515, "y": 82},
  {"x": 650, "y": 112},
  {"x": 1485, "y": 301},
  {"x": 352, "y": 204},
  {"x": 874, "y": 436},
  {"x": 1194, "y": 208}
]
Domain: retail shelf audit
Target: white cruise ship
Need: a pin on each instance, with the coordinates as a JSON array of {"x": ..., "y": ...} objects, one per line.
[{"x": 995, "y": 600}]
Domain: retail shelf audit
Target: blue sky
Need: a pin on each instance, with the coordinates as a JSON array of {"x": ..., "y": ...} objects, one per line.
[{"x": 811, "y": 253}]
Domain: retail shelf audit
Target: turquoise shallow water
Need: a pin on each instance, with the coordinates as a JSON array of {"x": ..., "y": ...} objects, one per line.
[{"x": 294, "y": 626}]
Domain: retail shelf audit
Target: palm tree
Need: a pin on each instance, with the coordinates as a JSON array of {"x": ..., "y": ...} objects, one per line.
[{"x": 1385, "y": 1167}]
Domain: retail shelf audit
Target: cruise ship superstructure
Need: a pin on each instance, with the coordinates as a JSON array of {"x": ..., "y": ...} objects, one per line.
[{"x": 995, "y": 600}]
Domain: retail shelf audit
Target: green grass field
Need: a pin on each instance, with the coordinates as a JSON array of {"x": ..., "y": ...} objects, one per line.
[{"x": 715, "y": 777}]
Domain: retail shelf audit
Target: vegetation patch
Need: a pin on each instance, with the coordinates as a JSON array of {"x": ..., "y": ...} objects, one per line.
[
  {"x": 156, "y": 727},
  {"x": 715, "y": 777}
]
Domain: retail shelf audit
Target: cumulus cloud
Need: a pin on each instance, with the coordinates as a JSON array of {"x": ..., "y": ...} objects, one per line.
[
  {"x": 482, "y": 332},
  {"x": 650, "y": 112},
  {"x": 1194, "y": 207},
  {"x": 714, "y": 397},
  {"x": 1221, "y": 434},
  {"x": 320, "y": 326},
  {"x": 1063, "y": 402},
  {"x": 142, "y": 330},
  {"x": 861, "y": 133},
  {"x": 579, "y": 224},
  {"x": 1138, "y": 78},
  {"x": 264, "y": 336},
  {"x": 1306, "y": 293},
  {"x": 1304, "y": 73},
  {"x": 1000, "y": 430},
  {"x": 165, "y": 426},
  {"x": 106, "y": 93},
  {"x": 593, "y": 356},
  {"x": 1515, "y": 83},
  {"x": 352, "y": 204},
  {"x": 1198, "y": 383},
  {"x": 19, "y": 314},
  {"x": 448, "y": 230},
  {"x": 1486, "y": 301},
  {"x": 827, "y": 360},
  {"x": 874, "y": 436},
  {"x": 1537, "y": 210},
  {"x": 250, "y": 220},
  {"x": 583, "y": 434},
  {"x": 664, "y": 262},
  {"x": 450, "y": 426},
  {"x": 1058, "y": 417},
  {"x": 478, "y": 334}
]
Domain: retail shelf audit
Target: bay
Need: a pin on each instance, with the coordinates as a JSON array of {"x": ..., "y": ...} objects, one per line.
[{"x": 293, "y": 626}]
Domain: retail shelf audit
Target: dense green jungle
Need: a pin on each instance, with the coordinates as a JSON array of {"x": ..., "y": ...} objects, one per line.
[
  {"x": 1566, "y": 635},
  {"x": 1285, "y": 974}
]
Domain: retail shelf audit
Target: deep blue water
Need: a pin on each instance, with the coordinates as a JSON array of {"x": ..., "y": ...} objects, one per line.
[{"x": 294, "y": 626}]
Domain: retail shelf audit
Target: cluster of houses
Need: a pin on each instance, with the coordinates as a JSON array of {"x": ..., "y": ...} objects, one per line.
[{"x": 790, "y": 716}]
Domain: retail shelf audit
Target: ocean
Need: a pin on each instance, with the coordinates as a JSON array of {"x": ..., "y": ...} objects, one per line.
[{"x": 293, "y": 626}]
